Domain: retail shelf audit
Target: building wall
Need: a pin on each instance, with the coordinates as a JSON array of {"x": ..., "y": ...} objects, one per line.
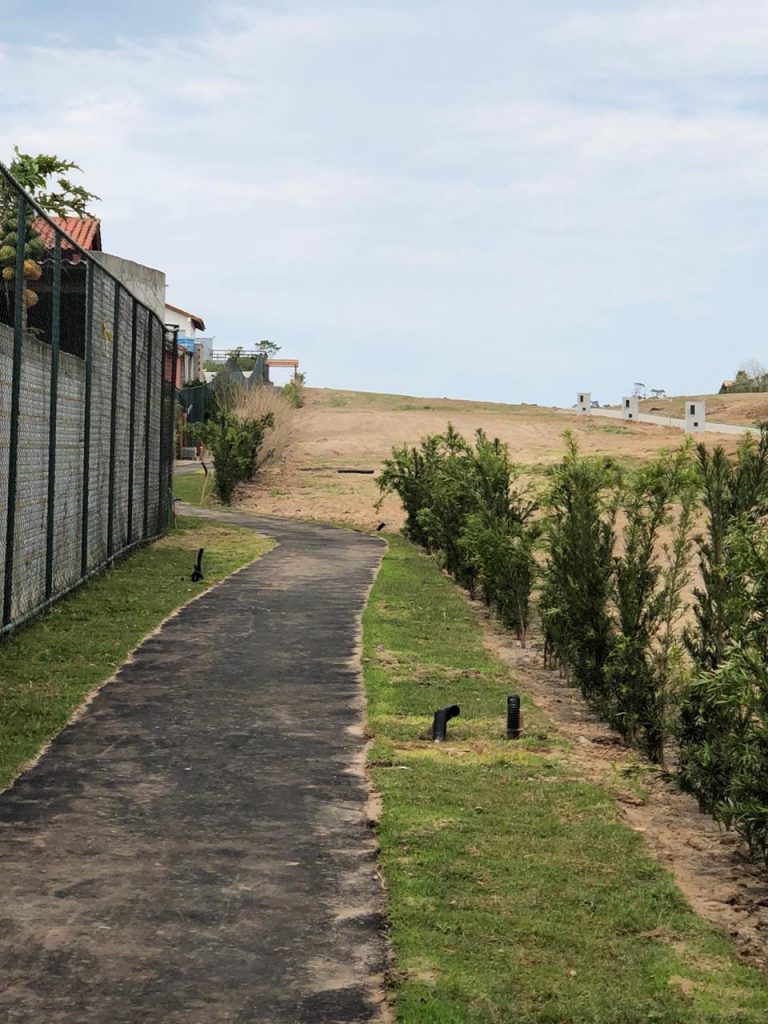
[
  {"x": 147, "y": 285},
  {"x": 174, "y": 319}
]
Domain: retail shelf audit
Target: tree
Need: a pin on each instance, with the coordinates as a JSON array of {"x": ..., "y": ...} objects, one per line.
[
  {"x": 60, "y": 197},
  {"x": 269, "y": 348},
  {"x": 753, "y": 368}
]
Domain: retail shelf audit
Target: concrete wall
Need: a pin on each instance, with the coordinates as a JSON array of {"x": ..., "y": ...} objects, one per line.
[
  {"x": 147, "y": 285},
  {"x": 31, "y": 494},
  {"x": 32, "y": 481}
]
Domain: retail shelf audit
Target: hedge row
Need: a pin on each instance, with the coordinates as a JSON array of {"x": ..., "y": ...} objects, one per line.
[{"x": 611, "y": 555}]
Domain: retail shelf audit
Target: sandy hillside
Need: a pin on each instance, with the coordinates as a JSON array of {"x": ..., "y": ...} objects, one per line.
[
  {"x": 356, "y": 430},
  {"x": 742, "y": 409}
]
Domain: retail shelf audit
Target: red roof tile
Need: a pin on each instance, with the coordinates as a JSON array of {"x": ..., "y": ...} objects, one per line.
[{"x": 86, "y": 231}]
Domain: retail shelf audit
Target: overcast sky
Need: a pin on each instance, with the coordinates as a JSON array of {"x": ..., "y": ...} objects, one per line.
[{"x": 501, "y": 200}]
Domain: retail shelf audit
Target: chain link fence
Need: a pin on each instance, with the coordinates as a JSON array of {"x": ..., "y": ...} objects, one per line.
[{"x": 87, "y": 386}]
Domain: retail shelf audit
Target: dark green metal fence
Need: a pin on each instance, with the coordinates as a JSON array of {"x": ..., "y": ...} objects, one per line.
[{"x": 86, "y": 413}]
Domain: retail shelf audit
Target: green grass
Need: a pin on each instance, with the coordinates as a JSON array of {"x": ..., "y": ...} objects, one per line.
[
  {"x": 50, "y": 667},
  {"x": 188, "y": 487},
  {"x": 515, "y": 892}
]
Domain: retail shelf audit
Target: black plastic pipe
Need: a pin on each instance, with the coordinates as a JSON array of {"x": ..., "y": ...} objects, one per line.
[
  {"x": 441, "y": 720},
  {"x": 513, "y": 717},
  {"x": 197, "y": 572}
]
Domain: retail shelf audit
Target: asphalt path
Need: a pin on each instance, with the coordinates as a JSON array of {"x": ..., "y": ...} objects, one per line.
[{"x": 195, "y": 846}]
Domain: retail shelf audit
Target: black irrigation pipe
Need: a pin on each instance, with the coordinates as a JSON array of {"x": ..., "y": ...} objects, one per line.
[{"x": 329, "y": 469}]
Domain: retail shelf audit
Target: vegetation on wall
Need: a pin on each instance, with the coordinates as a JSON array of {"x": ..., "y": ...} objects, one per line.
[{"x": 46, "y": 178}]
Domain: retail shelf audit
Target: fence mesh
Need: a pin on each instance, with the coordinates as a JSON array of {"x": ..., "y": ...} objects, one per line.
[{"x": 86, "y": 412}]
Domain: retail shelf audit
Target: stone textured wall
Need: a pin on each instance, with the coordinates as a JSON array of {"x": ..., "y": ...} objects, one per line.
[{"x": 134, "y": 504}]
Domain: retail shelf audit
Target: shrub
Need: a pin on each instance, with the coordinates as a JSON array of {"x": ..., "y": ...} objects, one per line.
[
  {"x": 649, "y": 577},
  {"x": 731, "y": 489},
  {"x": 461, "y": 504},
  {"x": 234, "y": 444},
  {"x": 293, "y": 391},
  {"x": 580, "y": 535},
  {"x": 256, "y": 402},
  {"x": 723, "y": 727},
  {"x": 610, "y": 619}
]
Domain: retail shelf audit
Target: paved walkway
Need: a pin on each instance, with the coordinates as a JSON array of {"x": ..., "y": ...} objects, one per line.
[{"x": 194, "y": 847}]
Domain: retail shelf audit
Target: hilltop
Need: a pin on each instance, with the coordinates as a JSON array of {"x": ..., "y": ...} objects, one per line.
[{"x": 357, "y": 430}]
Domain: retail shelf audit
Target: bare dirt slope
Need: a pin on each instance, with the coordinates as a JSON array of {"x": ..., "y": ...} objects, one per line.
[
  {"x": 746, "y": 410},
  {"x": 357, "y": 430}
]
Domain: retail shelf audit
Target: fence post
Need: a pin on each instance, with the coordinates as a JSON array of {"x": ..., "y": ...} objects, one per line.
[
  {"x": 172, "y": 424},
  {"x": 167, "y": 410},
  {"x": 13, "y": 440},
  {"x": 52, "y": 413},
  {"x": 147, "y": 424},
  {"x": 113, "y": 426},
  {"x": 90, "y": 271},
  {"x": 132, "y": 420}
]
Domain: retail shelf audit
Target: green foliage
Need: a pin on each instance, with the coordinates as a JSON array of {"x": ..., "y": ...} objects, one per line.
[
  {"x": 511, "y": 884},
  {"x": 269, "y": 348},
  {"x": 618, "y": 547},
  {"x": 580, "y": 535},
  {"x": 242, "y": 362},
  {"x": 462, "y": 504},
  {"x": 610, "y": 618},
  {"x": 723, "y": 728},
  {"x": 731, "y": 489},
  {"x": 60, "y": 197},
  {"x": 293, "y": 391},
  {"x": 649, "y": 577},
  {"x": 234, "y": 443}
]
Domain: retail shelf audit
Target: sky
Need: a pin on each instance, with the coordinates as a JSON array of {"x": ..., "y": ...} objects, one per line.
[{"x": 509, "y": 201}]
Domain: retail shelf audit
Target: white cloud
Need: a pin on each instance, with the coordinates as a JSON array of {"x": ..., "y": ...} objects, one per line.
[
  {"x": 329, "y": 173},
  {"x": 680, "y": 37}
]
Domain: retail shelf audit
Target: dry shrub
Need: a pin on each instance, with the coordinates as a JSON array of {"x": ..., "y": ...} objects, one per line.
[{"x": 254, "y": 403}]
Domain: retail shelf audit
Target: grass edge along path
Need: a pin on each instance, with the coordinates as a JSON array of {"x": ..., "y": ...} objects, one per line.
[
  {"x": 515, "y": 891},
  {"x": 49, "y": 668}
]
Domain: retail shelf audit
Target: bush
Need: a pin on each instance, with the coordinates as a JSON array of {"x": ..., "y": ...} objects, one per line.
[
  {"x": 293, "y": 391},
  {"x": 461, "y": 504},
  {"x": 649, "y": 577},
  {"x": 234, "y": 444},
  {"x": 610, "y": 620},
  {"x": 580, "y": 535},
  {"x": 254, "y": 403},
  {"x": 731, "y": 490},
  {"x": 723, "y": 727}
]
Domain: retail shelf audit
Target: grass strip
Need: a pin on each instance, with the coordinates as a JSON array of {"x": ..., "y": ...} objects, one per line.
[
  {"x": 515, "y": 891},
  {"x": 50, "y": 667},
  {"x": 189, "y": 487}
]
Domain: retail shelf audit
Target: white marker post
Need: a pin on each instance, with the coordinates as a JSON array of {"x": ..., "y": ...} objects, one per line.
[
  {"x": 584, "y": 403},
  {"x": 630, "y": 408},
  {"x": 695, "y": 417}
]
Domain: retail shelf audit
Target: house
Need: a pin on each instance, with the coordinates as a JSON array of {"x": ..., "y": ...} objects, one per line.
[
  {"x": 86, "y": 231},
  {"x": 146, "y": 283},
  {"x": 726, "y": 386},
  {"x": 193, "y": 350}
]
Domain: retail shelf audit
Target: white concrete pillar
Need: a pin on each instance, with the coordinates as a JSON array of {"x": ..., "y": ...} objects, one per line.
[
  {"x": 630, "y": 408},
  {"x": 695, "y": 417},
  {"x": 584, "y": 403}
]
